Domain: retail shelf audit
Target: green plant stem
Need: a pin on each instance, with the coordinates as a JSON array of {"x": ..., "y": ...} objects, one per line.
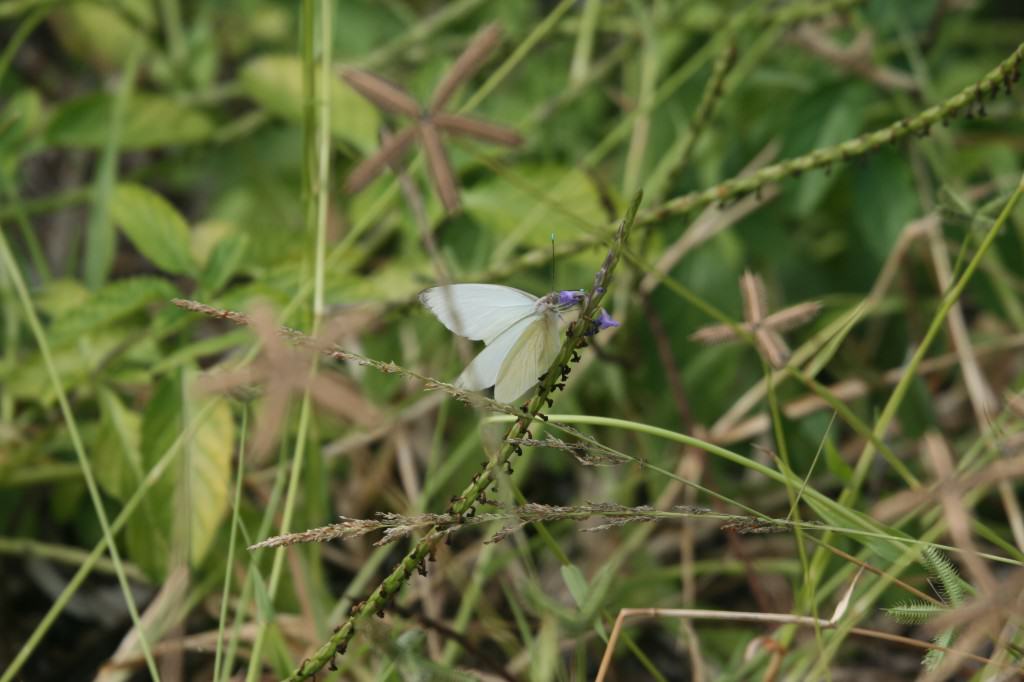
[
  {"x": 736, "y": 187},
  {"x": 100, "y": 240},
  {"x": 997, "y": 78},
  {"x": 950, "y": 298},
  {"x": 76, "y": 441},
  {"x": 319, "y": 121},
  {"x": 22, "y": 33},
  {"x": 28, "y": 235},
  {"x": 229, "y": 563},
  {"x": 535, "y": 36},
  {"x": 317, "y": 164},
  {"x": 72, "y": 556}
]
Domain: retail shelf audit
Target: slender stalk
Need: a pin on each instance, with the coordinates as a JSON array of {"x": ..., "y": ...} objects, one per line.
[
  {"x": 317, "y": 164},
  {"x": 76, "y": 441},
  {"x": 133, "y": 502},
  {"x": 100, "y": 239},
  {"x": 229, "y": 563}
]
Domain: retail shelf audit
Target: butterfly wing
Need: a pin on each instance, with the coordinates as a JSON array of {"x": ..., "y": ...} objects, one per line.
[
  {"x": 482, "y": 372},
  {"x": 480, "y": 312},
  {"x": 530, "y": 356}
]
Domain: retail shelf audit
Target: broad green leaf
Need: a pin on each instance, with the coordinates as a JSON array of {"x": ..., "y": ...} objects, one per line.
[
  {"x": 61, "y": 297},
  {"x": 886, "y": 200},
  {"x": 178, "y": 507},
  {"x": 76, "y": 363},
  {"x": 835, "y": 463},
  {"x": 544, "y": 651},
  {"x": 275, "y": 83},
  {"x": 111, "y": 303},
  {"x": 103, "y": 33},
  {"x": 20, "y": 119},
  {"x": 840, "y": 119},
  {"x": 224, "y": 262},
  {"x": 148, "y": 534},
  {"x": 154, "y": 226},
  {"x": 548, "y": 199},
  {"x": 149, "y": 121},
  {"x": 209, "y": 455},
  {"x": 577, "y": 584},
  {"x": 116, "y": 456}
]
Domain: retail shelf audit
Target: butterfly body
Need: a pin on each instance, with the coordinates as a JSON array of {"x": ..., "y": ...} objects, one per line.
[{"x": 521, "y": 332}]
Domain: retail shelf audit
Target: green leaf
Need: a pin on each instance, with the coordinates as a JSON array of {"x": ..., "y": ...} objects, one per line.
[
  {"x": 887, "y": 200},
  {"x": 111, "y": 303},
  {"x": 275, "y": 83},
  {"x": 576, "y": 583},
  {"x": 116, "y": 455},
  {"x": 178, "y": 507},
  {"x": 544, "y": 651},
  {"x": 209, "y": 454},
  {"x": 149, "y": 121},
  {"x": 148, "y": 534},
  {"x": 223, "y": 262},
  {"x": 835, "y": 463},
  {"x": 524, "y": 213},
  {"x": 154, "y": 226},
  {"x": 20, "y": 119},
  {"x": 842, "y": 119},
  {"x": 103, "y": 34}
]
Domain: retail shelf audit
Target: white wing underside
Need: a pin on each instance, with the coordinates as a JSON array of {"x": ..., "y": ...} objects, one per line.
[
  {"x": 481, "y": 312},
  {"x": 482, "y": 372},
  {"x": 532, "y": 354}
]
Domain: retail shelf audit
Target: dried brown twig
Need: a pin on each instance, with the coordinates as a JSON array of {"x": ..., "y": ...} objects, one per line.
[
  {"x": 285, "y": 370},
  {"x": 430, "y": 121},
  {"x": 766, "y": 329}
]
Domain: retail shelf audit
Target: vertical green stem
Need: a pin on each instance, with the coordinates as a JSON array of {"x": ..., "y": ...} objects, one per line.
[{"x": 99, "y": 236}]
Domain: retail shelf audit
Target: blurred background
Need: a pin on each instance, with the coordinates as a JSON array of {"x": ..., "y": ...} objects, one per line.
[{"x": 316, "y": 165}]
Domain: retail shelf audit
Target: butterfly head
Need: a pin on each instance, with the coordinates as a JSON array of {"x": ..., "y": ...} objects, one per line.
[{"x": 561, "y": 301}]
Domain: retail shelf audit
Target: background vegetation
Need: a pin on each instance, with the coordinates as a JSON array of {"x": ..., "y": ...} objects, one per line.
[{"x": 823, "y": 514}]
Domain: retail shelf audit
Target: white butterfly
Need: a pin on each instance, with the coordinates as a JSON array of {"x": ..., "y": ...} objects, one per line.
[{"x": 522, "y": 333}]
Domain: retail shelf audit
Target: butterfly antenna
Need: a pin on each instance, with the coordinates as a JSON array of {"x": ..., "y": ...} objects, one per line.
[{"x": 553, "y": 262}]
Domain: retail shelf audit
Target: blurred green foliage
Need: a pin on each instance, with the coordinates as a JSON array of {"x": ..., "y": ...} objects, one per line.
[{"x": 153, "y": 150}]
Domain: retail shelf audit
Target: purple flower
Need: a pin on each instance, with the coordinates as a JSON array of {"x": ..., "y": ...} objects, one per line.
[
  {"x": 603, "y": 321},
  {"x": 569, "y": 298}
]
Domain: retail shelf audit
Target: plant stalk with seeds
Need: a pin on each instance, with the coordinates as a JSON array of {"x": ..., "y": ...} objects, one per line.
[{"x": 466, "y": 502}]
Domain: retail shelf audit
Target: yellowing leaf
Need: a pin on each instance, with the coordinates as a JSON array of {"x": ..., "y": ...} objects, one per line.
[{"x": 209, "y": 467}]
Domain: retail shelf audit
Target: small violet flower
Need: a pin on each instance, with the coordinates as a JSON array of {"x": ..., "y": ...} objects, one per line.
[
  {"x": 567, "y": 299},
  {"x": 570, "y": 298},
  {"x": 603, "y": 321}
]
